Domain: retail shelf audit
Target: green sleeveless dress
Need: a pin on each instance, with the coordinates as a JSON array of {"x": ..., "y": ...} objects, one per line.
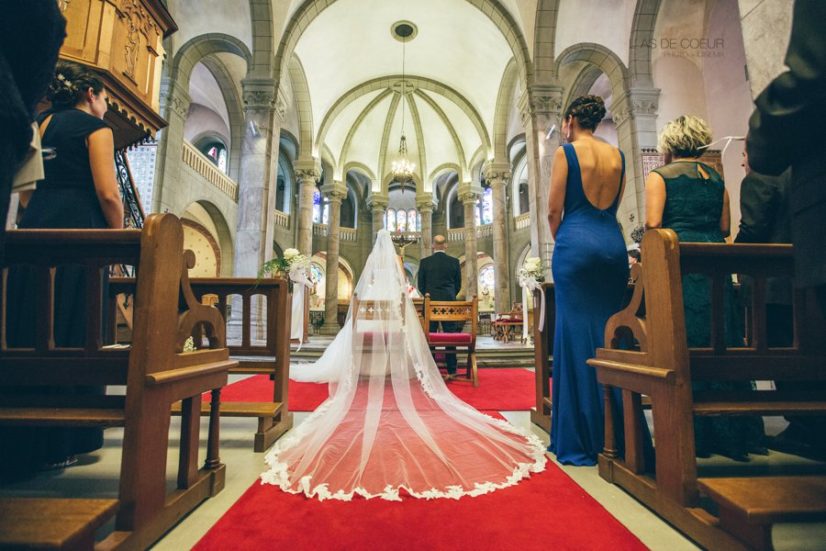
[{"x": 693, "y": 206}]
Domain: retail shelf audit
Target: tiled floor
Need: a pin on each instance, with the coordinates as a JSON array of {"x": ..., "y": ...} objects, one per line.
[{"x": 98, "y": 476}]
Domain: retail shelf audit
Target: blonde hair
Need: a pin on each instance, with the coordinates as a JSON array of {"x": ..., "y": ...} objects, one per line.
[{"x": 684, "y": 136}]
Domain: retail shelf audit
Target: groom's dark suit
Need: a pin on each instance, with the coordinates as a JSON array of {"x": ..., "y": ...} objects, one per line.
[{"x": 441, "y": 276}]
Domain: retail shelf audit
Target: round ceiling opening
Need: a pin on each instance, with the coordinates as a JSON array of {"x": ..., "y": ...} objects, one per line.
[{"x": 404, "y": 31}]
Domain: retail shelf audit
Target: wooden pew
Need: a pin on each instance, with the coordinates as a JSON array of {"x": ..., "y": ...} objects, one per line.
[
  {"x": 663, "y": 368},
  {"x": 154, "y": 369},
  {"x": 270, "y": 357},
  {"x": 543, "y": 341}
]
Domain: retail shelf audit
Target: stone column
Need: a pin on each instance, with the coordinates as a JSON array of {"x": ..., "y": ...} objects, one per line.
[
  {"x": 307, "y": 172},
  {"x": 766, "y": 29},
  {"x": 335, "y": 195},
  {"x": 424, "y": 203},
  {"x": 635, "y": 116},
  {"x": 175, "y": 103},
  {"x": 257, "y": 177},
  {"x": 497, "y": 175},
  {"x": 469, "y": 196},
  {"x": 256, "y": 188},
  {"x": 378, "y": 207},
  {"x": 540, "y": 106}
]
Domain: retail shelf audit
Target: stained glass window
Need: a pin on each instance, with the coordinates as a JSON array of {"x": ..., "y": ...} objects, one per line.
[
  {"x": 217, "y": 153},
  {"x": 321, "y": 209},
  {"x": 391, "y": 220},
  {"x": 401, "y": 220},
  {"x": 413, "y": 220},
  {"x": 484, "y": 212}
]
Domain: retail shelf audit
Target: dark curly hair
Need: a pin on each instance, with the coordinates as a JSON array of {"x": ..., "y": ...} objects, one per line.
[
  {"x": 587, "y": 110},
  {"x": 70, "y": 84}
]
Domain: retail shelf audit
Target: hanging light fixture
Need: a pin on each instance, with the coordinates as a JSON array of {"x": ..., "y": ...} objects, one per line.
[{"x": 402, "y": 168}]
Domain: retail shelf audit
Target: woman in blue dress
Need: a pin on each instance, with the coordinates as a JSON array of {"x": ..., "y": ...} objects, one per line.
[{"x": 590, "y": 269}]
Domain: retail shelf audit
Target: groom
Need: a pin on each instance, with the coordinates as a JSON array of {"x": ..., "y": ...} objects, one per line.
[{"x": 441, "y": 276}]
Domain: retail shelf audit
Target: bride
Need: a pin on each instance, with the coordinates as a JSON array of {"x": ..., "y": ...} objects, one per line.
[{"x": 391, "y": 427}]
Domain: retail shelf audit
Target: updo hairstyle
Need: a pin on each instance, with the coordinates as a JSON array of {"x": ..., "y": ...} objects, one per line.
[
  {"x": 587, "y": 110},
  {"x": 70, "y": 84},
  {"x": 685, "y": 136}
]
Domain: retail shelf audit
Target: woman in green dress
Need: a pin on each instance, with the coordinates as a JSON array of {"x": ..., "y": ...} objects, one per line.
[{"x": 689, "y": 197}]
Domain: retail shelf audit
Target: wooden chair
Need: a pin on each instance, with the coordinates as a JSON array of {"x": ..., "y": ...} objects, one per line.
[
  {"x": 543, "y": 354},
  {"x": 154, "y": 369},
  {"x": 465, "y": 312},
  {"x": 663, "y": 368},
  {"x": 269, "y": 357},
  {"x": 508, "y": 322}
]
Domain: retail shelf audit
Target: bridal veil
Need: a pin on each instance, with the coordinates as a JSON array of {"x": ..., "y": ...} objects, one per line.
[{"x": 391, "y": 427}]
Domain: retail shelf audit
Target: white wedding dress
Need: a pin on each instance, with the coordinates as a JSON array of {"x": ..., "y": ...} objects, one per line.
[{"x": 391, "y": 427}]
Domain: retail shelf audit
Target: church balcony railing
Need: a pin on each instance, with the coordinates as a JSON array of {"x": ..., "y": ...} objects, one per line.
[
  {"x": 281, "y": 219},
  {"x": 523, "y": 221},
  {"x": 204, "y": 166},
  {"x": 458, "y": 234},
  {"x": 320, "y": 230},
  {"x": 347, "y": 234}
]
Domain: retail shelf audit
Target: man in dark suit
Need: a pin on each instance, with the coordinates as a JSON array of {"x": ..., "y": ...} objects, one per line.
[
  {"x": 786, "y": 130},
  {"x": 441, "y": 276}
]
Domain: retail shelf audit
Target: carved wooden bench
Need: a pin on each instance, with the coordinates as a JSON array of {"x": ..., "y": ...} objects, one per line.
[
  {"x": 154, "y": 369},
  {"x": 662, "y": 367}
]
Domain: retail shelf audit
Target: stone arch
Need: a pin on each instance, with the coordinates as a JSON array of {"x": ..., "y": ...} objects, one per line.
[
  {"x": 601, "y": 57},
  {"x": 500, "y": 120},
  {"x": 222, "y": 233},
  {"x": 359, "y": 167},
  {"x": 444, "y": 167},
  {"x": 421, "y": 83},
  {"x": 301, "y": 99},
  {"x": 498, "y": 14},
  {"x": 202, "y": 46},
  {"x": 235, "y": 109},
  {"x": 547, "y": 12},
  {"x": 261, "y": 62},
  {"x": 639, "y": 49}
]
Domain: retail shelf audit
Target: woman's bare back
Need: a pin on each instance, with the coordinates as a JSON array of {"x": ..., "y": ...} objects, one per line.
[{"x": 601, "y": 167}]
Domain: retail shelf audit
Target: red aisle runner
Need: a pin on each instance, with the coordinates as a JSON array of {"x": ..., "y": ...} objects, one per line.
[
  {"x": 547, "y": 511},
  {"x": 505, "y": 389}
]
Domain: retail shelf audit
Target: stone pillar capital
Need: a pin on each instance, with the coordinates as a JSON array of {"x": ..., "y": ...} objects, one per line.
[
  {"x": 174, "y": 98},
  {"x": 377, "y": 201},
  {"x": 424, "y": 202},
  {"x": 635, "y": 103},
  {"x": 335, "y": 192},
  {"x": 541, "y": 101},
  {"x": 259, "y": 93},
  {"x": 469, "y": 194},
  {"x": 497, "y": 173},
  {"x": 307, "y": 171}
]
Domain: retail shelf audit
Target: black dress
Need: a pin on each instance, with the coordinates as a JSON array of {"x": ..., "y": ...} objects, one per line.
[{"x": 65, "y": 199}]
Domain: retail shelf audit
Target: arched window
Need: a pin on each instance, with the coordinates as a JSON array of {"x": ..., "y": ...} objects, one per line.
[
  {"x": 484, "y": 209},
  {"x": 217, "y": 153},
  {"x": 487, "y": 288},
  {"x": 413, "y": 223},
  {"x": 390, "y": 222},
  {"x": 320, "y": 208},
  {"x": 401, "y": 220}
]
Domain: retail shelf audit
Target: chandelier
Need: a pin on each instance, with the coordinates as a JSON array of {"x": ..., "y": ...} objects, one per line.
[{"x": 403, "y": 169}]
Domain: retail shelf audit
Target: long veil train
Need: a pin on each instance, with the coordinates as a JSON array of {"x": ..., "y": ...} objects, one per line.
[{"x": 390, "y": 423}]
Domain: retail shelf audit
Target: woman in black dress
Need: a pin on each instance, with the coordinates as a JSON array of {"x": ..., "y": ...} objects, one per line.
[{"x": 80, "y": 191}]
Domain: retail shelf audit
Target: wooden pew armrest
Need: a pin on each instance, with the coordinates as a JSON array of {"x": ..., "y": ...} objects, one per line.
[
  {"x": 635, "y": 377},
  {"x": 183, "y": 373}
]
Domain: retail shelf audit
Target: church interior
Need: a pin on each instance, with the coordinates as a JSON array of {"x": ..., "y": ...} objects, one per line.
[{"x": 246, "y": 129}]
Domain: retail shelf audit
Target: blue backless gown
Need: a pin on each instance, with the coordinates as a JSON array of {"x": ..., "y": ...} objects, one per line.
[{"x": 590, "y": 269}]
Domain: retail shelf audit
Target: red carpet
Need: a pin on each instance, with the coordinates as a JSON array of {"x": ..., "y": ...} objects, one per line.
[
  {"x": 547, "y": 511},
  {"x": 499, "y": 389}
]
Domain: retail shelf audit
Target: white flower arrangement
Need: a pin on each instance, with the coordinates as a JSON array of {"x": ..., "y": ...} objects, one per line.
[
  {"x": 532, "y": 269},
  {"x": 292, "y": 264}
]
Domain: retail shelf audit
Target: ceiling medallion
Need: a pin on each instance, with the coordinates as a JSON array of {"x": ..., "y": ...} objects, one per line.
[
  {"x": 402, "y": 168},
  {"x": 404, "y": 31}
]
